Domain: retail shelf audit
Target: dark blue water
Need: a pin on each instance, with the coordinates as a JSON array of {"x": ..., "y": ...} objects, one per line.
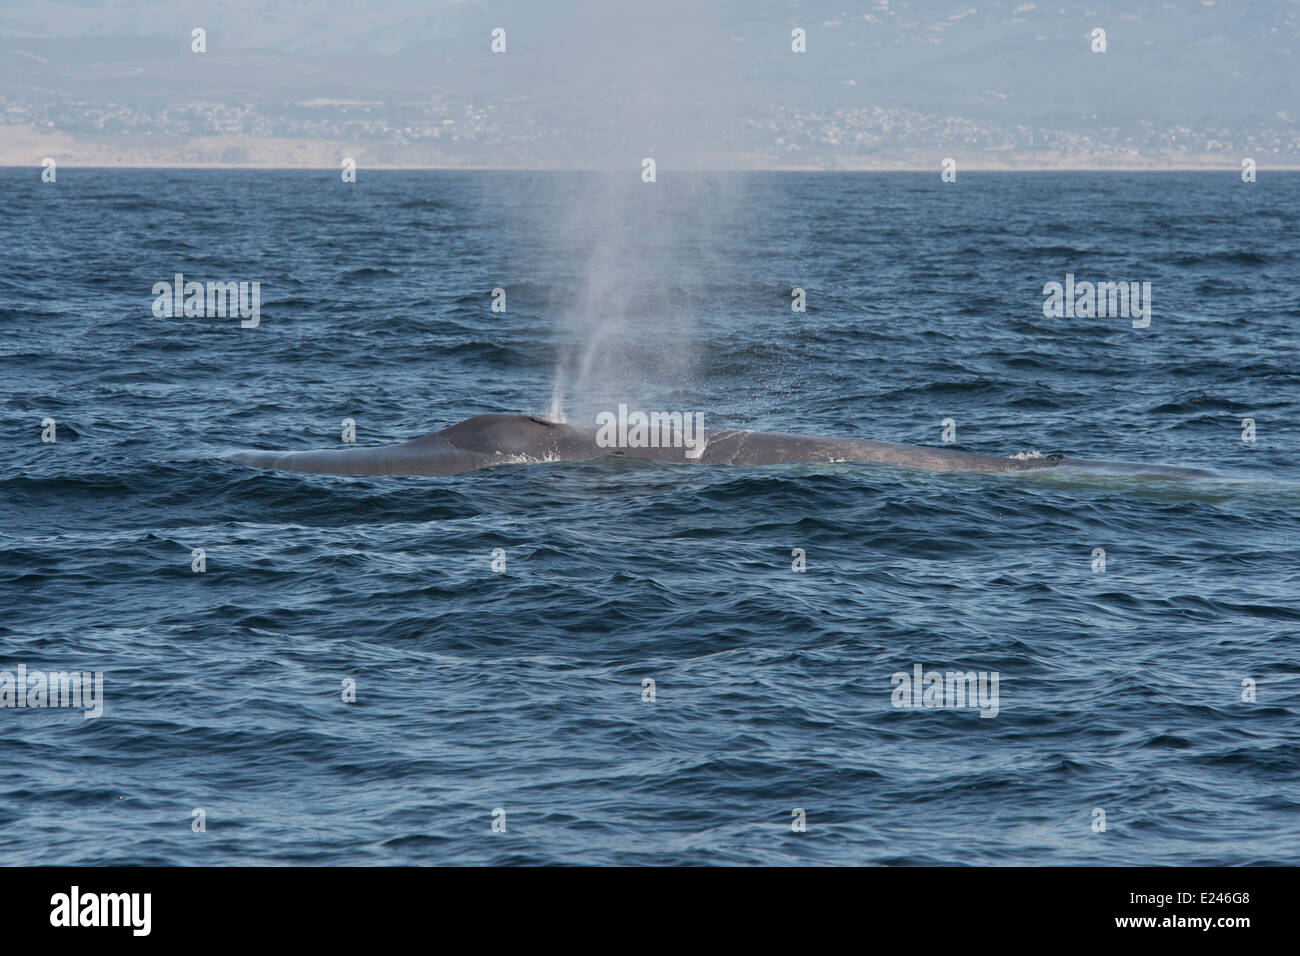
[{"x": 1120, "y": 690}]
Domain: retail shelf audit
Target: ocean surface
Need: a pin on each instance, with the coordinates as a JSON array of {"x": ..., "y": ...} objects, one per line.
[{"x": 1162, "y": 689}]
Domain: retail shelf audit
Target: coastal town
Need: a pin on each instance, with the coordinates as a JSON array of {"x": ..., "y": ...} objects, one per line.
[{"x": 441, "y": 131}]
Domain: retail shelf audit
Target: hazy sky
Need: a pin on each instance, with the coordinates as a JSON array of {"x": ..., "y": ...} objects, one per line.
[
  {"x": 1188, "y": 55},
  {"x": 678, "y": 71}
]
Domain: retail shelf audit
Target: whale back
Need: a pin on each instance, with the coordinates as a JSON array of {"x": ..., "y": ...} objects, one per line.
[
  {"x": 519, "y": 437},
  {"x": 496, "y": 439},
  {"x": 478, "y": 442}
]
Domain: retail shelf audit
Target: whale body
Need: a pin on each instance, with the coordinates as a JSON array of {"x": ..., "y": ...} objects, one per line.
[{"x": 485, "y": 441}]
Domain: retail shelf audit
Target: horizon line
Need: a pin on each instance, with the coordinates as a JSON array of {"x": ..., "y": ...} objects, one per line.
[{"x": 258, "y": 167}]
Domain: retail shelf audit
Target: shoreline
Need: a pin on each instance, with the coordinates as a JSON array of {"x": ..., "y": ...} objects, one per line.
[{"x": 27, "y": 147}]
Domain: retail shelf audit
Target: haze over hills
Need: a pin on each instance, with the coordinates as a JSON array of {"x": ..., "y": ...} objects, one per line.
[{"x": 883, "y": 83}]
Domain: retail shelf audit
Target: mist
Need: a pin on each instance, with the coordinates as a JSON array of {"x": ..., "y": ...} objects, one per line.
[{"x": 654, "y": 97}]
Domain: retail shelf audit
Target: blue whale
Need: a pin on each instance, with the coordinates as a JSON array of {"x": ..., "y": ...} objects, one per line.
[{"x": 486, "y": 441}]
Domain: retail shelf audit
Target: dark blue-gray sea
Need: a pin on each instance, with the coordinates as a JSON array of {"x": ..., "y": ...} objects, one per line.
[{"x": 1144, "y": 631}]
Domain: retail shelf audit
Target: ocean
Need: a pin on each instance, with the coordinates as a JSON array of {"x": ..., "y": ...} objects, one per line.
[{"x": 636, "y": 662}]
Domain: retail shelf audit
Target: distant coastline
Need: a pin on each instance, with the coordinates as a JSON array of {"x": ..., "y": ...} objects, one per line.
[{"x": 29, "y": 145}]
